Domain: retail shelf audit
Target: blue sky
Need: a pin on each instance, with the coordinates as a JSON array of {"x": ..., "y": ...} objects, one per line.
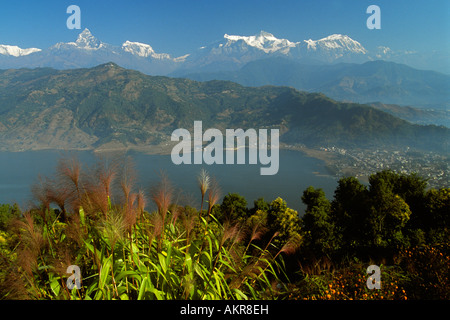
[{"x": 178, "y": 27}]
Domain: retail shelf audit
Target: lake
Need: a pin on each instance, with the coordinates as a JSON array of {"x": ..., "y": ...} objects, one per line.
[{"x": 19, "y": 170}]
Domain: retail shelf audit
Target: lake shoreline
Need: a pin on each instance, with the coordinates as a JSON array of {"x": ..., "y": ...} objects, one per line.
[{"x": 328, "y": 158}]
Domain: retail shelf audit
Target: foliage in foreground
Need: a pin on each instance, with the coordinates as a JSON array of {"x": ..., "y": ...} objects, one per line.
[
  {"x": 124, "y": 252},
  {"x": 224, "y": 251}
]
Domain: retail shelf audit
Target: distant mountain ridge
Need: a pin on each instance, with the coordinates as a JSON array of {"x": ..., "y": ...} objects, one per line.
[
  {"x": 336, "y": 65},
  {"x": 88, "y": 51},
  {"x": 111, "y": 107},
  {"x": 229, "y": 53}
]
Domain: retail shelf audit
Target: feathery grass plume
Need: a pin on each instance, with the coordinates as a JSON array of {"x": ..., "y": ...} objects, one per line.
[
  {"x": 127, "y": 178},
  {"x": 112, "y": 227},
  {"x": 213, "y": 194},
  {"x": 203, "y": 182},
  {"x": 251, "y": 269},
  {"x": 27, "y": 260},
  {"x": 29, "y": 250},
  {"x": 130, "y": 212},
  {"x": 162, "y": 195},
  {"x": 109, "y": 174},
  {"x": 188, "y": 216},
  {"x": 27, "y": 263},
  {"x": 229, "y": 231},
  {"x": 31, "y": 234},
  {"x": 292, "y": 245},
  {"x": 69, "y": 174},
  {"x": 175, "y": 211},
  {"x": 70, "y": 168},
  {"x": 106, "y": 171},
  {"x": 157, "y": 222},
  {"x": 236, "y": 234},
  {"x": 94, "y": 199},
  {"x": 58, "y": 192},
  {"x": 74, "y": 231},
  {"x": 258, "y": 230},
  {"x": 41, "y": 192},
  {"x": 141, "y": 202}
]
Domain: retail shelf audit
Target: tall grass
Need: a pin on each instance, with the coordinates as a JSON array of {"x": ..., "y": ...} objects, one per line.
[{"x": 125, "y": 252}]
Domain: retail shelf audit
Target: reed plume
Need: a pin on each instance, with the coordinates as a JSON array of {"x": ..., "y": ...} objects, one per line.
[
  {"x": 203, "y": 182},
  {"x": 162, "y": 195},
  {"x": 69, "y": 174},
  {"x": 213, "y": 195}
]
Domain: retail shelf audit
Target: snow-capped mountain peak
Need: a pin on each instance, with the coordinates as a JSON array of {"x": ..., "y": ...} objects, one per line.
[
  {"x": 264, "y": 41},
  {"x": 340, "y": 42},
  {"x": 87, "y": 41},
  {"x": 137, "y": 48},
  {"x": 143, "y": 50},
  {"x": 16, "y": 51}
]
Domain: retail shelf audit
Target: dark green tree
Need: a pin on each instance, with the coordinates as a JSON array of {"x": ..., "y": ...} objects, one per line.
[
  {"x": 317, "y": 224},
  {"x": 260, "y": 204},
  {"x": 437, "y": 204},
  {"x": 412, "y": 189},
  {"x": 389, "y": 212},
  {"x": 350, "y": 210},
  {"x": 233, "y": 208}
]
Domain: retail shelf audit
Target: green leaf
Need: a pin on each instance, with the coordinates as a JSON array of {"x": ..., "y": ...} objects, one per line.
[
  {"x": 104, "y": 272},
  {"x": 55, "y": 286},
  {"x": 240, "y": 295},
  {"x": 188, "y": 263},
  {"x": 128, "y": 274},
  {"x": 162, "y": 262},
  {"x": 142, "y": 288}
]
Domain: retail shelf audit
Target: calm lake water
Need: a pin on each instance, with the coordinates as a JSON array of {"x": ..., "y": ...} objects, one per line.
[{"x": 19, "y": 170}]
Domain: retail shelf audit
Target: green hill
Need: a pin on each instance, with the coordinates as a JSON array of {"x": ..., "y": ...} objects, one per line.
[{"x": 108, "y": 106}]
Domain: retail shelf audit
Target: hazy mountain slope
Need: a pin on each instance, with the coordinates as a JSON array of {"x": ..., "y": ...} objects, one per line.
[
  {"x": 416, "y": 115},
  {"x": 382, "y": 81}
]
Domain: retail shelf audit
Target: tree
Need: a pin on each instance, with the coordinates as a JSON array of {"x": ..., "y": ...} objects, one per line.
[
  {"x": 260, "y": 204},
  {"x": 283, "y": 220},
  {"x": 233, "y": 208},
  {"x": 388, "y": 213},
  {"x": 317, "y": 223},
  {"x": 350, "y": 209},
  {"x": 437, "y": 204},
  {"x": 410, "y": 187}
]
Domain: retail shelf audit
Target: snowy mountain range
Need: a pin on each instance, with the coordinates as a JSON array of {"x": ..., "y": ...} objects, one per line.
[
  {"x": 234, "y": 51},
  {"x": 335, "y": 46},
  {"x": 229, "y": 53},
  {"x": 15, "y": 51}
]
